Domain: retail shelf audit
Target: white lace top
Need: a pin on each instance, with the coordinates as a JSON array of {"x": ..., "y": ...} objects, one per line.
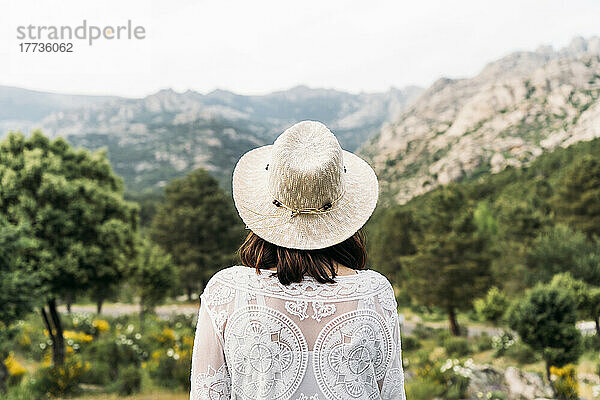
[{"x": 259, "y": 339}]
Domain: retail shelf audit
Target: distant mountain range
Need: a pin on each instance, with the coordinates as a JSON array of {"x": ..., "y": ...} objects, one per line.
[
  {"x": 156, "y": 138},
  {"x": 515, "y": 109},
  {"x": 511, "y": 112}
]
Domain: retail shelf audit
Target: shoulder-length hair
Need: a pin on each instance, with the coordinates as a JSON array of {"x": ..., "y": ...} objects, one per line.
[{"x": 292, "y": 264}]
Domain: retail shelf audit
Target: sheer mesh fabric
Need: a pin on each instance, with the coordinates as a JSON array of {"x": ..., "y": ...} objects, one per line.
[{"x": 259, "y": 339}]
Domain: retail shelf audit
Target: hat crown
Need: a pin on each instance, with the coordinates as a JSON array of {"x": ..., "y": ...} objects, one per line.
[{"x": 306, "y": 166}]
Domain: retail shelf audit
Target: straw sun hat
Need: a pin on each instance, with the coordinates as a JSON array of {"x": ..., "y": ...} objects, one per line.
[{"x": 304, "y": 191}]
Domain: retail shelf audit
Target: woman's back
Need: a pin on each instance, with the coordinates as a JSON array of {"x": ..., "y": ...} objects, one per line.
[{"x": 259, "y": 339}]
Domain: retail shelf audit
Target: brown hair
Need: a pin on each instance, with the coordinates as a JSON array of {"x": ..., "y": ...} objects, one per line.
[{"x": 292, "y": 264}]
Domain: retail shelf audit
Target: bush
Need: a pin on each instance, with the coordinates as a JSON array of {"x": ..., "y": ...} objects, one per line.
[
  {"x": 130, "y": 381},
  {"x": 100, "y": 373},
  {"x": 59, "y": 381},
  {"x": 565, "y": 385},
  {"x": 410, "y": 343},
  {"x": 171, "y": 368},
  {"x": 483, "y": 342},
  {"x": 522, "y": 353},
  {"x": 424, "y": 332},
  {"x": 591, "y": 343},
  {"x": 457, "y": 346},
  {"x": 424, "y": 389},
  {"x": 493, "y": 306},
  {"x": 15, "y": 370},
  {"x": 502, "y": 342}
]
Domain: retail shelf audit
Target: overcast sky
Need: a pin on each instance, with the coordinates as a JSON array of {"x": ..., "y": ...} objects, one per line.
[{"x": 253, "y": 47}]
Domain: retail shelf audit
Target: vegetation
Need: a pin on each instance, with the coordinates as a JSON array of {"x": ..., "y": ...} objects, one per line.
[{"x": 198, "y": 226}]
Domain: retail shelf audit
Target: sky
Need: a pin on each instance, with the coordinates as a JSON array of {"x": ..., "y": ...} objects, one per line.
[{"x": 255, "y": 47}]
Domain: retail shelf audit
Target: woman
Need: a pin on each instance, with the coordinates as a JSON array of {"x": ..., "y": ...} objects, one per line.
[{"x": 302, "y": 318}]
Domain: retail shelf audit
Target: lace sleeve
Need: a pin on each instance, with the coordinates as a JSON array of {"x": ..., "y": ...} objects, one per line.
[
  {"x": 393, "y": 382},
  {"x": 210, "y": 377}
]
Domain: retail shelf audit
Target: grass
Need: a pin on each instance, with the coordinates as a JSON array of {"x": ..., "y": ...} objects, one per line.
[{"x": 154, "y": 395}]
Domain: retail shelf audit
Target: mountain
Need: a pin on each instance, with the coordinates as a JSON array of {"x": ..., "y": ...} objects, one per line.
[
  {"x": 511, "y": 112},
  {"x": 22, "y": 108},
  {"x": 162, "y": 136}
]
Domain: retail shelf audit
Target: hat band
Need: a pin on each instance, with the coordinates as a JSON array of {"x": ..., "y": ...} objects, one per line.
[{"x": 311, "y": 211}]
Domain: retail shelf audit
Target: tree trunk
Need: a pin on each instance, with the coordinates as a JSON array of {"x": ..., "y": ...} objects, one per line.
[
  {"x": 55, "y": 331},
  {"x": 454, "y": 328},
  {"x": 3, "y": 374},
  {"x": 548, "y": 374},
  {"x": 189, "y": 294},
  {"x": 597, "y": 325},
  {"x": 99, "y": 304}
]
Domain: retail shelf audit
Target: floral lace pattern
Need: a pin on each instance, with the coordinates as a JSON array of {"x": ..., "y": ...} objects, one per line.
[
  {"x": 350, "y": 287},
  {"x": 393, "y": 384},
  {"x": 252, "y": 340},
  {"x": 351, "y": 353},
  {"x": 266, "y": 352},
  {"x": 212, "y": 385}
]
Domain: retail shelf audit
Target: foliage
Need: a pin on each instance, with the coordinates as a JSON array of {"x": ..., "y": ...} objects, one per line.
[
  {"x": 545, "y": 319},
  {"x": 154, "y": 275},
  {"x": 522, "y": 353},
  {"x": 578, "y": 199},
  {"x": 198, "y": 226},
  {"x": 451, "y": 249},
  {"x": 561, "y": 249},
  {"x": 59, "y": 381},
  {"x": 493, "y": 306},
  {"x": 565, "y": 384},
  {"x": 457, "y": 346},
  {"x": 502, "y": 342},
  {"x": 16, "y": 371},
  {"x": 130, "y": 381},
  {"x": 410, "y": 343},
  {"x": 73, "y": 204}
]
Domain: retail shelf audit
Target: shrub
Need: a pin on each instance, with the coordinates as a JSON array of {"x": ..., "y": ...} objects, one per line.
[
  {"x": 493, "y": 306},
  {"x": 59, "y": 381},
  {"x": 424, "y": 388},
  {"x": 15, "y": 370},
  {"x": 410, "y": 343},
  {"x": 100, "y": 373},
  {"x": 591, "y": 343},
  {"x": 457, "y": 346},
  {"x": 565, "y": 385},
  {"x": 424, "y": 332},
  {"x": 130, "y": 381},
  {"x": 483, "y": 342},
  {"x": 171, "y": 368},
  {"x": 522, "y": 353},
  {"x": 502, "y": 342}
]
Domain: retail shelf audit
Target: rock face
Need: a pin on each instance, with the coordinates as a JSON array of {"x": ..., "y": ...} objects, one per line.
[
  {"x": 162, "y": 136},
  {"x": 526, "y": 385},
  {"x": 516, "y": 108},
  {"x": 515, "y": 383}
]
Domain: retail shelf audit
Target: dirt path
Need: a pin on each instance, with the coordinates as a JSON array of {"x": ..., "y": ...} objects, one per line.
[{"x": 117, "y": 309}]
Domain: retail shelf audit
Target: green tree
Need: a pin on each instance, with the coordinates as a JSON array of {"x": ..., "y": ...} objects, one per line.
[
  {"x": 591, "y": 307},
  {"x": 153, "y": 277},
  {"x": 562, "y": 249},
  {"x": 198, "y": 226},
  {"x": 392, "y": 238},
  {"x": 545, "y": 320},
  {"x": 493, "y": 306},
  {"x": 17, "y": 289},
  {"x": 578, "y": 199},
  {"x": 452, "y": 261},
  {"x": 73, "y": 202}
]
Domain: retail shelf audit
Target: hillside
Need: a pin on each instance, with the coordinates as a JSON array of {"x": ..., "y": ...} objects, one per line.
[
  {"x": 162, "y": 136},
  {"x": 509, "y": 114}
]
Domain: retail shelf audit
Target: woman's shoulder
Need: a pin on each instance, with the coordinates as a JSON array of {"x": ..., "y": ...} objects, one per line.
[{"x": 363, "y": 283}]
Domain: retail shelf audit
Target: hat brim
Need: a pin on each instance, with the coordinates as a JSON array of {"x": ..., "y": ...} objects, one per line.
[{"x": 304, "y": 231}]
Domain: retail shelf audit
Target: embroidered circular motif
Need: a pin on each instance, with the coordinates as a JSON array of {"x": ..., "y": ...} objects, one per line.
[
  {"x": 266, "y": 353},
  {"x": 351, "y": 353}
]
